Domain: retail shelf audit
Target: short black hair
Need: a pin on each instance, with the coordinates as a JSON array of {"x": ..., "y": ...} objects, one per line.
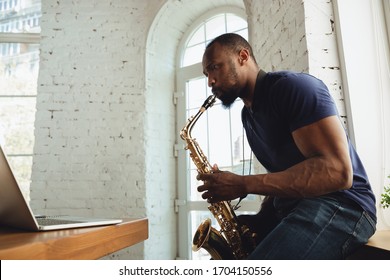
[{"x": 233, "y": 42}]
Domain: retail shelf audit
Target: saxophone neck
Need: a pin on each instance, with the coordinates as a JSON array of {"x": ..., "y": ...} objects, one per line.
[{"x": 185, "y": 133}]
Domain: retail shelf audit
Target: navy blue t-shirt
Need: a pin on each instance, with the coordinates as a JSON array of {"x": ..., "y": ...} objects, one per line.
[{"x": 283, "y": 102}]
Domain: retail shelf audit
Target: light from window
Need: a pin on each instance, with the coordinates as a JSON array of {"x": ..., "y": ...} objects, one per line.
[
  {"x": 211, "y": 28},
  {"x": 19, "y": 63},
  {"x": 218, "y": 132},
  {"x": 18, "y": 79}
]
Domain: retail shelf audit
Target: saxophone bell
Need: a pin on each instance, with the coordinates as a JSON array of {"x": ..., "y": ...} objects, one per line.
[{"x": 212, "y": 241}]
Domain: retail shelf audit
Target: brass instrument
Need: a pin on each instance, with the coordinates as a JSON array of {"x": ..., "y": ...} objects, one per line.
[{"x": 233, "y": 241}]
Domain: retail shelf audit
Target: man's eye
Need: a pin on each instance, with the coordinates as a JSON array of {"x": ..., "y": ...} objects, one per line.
[{"x": 211, "y": 68}]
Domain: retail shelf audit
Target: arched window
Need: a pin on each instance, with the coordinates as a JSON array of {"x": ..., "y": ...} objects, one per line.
[
  {"x": 208, "y": 30},
  {"x": 219, "y": 131}
]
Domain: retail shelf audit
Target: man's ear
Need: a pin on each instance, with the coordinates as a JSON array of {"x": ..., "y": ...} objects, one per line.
[{"x": 243, "y": 56}]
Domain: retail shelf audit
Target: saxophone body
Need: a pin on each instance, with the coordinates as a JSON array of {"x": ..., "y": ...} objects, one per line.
[{"x": 233, "y": 241}]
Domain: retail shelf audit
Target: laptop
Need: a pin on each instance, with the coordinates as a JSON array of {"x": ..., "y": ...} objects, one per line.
[{"x": 15, "y": 211}]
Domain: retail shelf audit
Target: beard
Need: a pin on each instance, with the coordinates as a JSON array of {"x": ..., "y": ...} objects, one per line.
[{"x": 229, "y": 95}]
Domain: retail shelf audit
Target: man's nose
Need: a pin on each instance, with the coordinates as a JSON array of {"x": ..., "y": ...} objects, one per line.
[{"x": 211, "y": 81}]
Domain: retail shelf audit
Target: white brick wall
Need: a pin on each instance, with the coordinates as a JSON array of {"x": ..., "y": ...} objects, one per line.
[
  {"x": 297, "y": 35},
  {"x": 89, "y": 157},
  {"x": 322, "y": 45},
  {"x": 105, "y": 122},
  {"x": 277, "y": 34}
]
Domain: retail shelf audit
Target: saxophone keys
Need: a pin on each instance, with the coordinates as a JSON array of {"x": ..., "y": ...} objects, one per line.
[{"x": 227, "y": 226}]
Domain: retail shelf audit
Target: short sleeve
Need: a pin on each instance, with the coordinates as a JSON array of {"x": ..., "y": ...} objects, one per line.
[{"x": 301, "y": 99}]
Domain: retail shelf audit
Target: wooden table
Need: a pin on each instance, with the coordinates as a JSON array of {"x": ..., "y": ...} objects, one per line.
[
  {"x": 377, "y": 248},
  {"x": 381, "y": 239},
  {"x": 78, "y": 244}
]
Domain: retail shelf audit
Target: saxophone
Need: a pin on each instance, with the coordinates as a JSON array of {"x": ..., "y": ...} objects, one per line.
[{"x": 233, "y": 241}]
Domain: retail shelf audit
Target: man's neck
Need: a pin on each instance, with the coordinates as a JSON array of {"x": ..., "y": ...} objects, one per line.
[{"x": 250, "y": 90}]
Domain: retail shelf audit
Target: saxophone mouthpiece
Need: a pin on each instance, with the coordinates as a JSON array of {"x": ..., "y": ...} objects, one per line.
[{"x": 209, "y": 101}]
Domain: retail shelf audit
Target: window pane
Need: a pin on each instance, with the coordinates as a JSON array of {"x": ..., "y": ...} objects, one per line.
[
  {"x": 212, "y": 28},
  {"x": 235, "y": 23},
  {"x": 17, "y": 137},
  {"x": 193, "y": 54},
  {"x": 220, "y": 141},
  {"x": 19, "y": 65},
  {"x": 215, "y": 27},
  {"x": 241, "y": 151},
  {"x": 17, "y": 123},
  {"x": 197, "y": 37},
  {"x": 196, "y": 94},
  {"x": 18, "y": 77},
  {"x": 200, "y": 132},
  {"x": 194, "y": 194},
  {"x": 243, "y": 33},
  {"x": 20, "y": 16},
  {"x": 21, "y": 165}
]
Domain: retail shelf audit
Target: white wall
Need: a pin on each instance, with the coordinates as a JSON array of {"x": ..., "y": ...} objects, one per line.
[
  {"x": 277, "y": 34},
  {"x": 323, "y": 56},
  {"x": 364, "y": 48},
  {"x": 89, "y": 154}
]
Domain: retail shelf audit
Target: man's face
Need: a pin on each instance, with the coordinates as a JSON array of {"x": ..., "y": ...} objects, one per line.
[{"x": 219, "y": 66}]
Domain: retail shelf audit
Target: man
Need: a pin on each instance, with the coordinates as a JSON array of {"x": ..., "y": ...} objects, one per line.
[{"x": 322, "y": 203}]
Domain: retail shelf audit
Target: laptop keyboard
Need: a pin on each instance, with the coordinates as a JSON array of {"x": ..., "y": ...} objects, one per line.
[{"x": 53, "y": 221}]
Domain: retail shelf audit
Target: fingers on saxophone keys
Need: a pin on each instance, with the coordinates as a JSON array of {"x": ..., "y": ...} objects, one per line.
[
  {"x": 207, "y": 196},
  {"x": 204, "y": 177},
  {"x": 202, "y": 188},
  {"x": 212, "y": 199}
]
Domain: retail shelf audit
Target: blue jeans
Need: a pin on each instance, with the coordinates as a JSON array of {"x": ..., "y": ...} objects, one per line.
[{"x": 326, "y": 227}]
